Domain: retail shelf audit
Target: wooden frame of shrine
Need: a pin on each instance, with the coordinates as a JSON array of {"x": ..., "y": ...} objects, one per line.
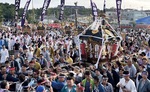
[
  {"x": 40, "y": 29},
  {"x": 26, "y": 29}
]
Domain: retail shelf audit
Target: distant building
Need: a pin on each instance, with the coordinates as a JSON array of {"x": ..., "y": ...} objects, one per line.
[
  {"x": 49, "y": 19},
  {"x": 80, "y": 18},
  {"x": 132, "y": 15},
  {"x": 72, "y": 7},
  {"x": 128, "y": 16},
  {"x": 147, "y": 13},
  {"x": 112, "y": 16}
]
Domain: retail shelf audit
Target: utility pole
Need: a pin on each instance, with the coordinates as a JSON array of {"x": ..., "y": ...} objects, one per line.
[{"x": 76, "y": 13}]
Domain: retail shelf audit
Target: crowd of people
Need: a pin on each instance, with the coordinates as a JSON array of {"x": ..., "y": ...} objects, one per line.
[{"x": 51, "y": 64}]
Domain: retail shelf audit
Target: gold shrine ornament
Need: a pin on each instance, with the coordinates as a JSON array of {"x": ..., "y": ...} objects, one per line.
[
  {"x": 94, "y": 31},
  {"x": 108, "y": 32},
  {"x": 40, "y": 24}
]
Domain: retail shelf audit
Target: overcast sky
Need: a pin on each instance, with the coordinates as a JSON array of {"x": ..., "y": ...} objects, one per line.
[{"x": 134, "y": 4}]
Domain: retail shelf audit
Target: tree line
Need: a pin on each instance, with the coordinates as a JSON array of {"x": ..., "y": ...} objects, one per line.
[{"x": 7, "y": 12}]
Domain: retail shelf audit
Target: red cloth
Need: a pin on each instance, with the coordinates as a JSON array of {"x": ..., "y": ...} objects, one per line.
[
  {"x": 81, "y": 88},
  {"x": 82, "y": 47},
  {"x": 12, "y": 68},
  {"x": 114, "y": 49},
  {"x": 100, "y": 48},
  {"x": 55, "y": 25}
]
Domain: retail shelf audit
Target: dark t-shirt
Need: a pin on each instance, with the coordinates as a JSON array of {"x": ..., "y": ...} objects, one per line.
[{"x": 16, "y": 46}]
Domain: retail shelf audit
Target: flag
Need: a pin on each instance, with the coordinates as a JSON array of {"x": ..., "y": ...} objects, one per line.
[
  {"x": 104, "y": 8},
  {"x": 17, "y": 6},
  {"x": 61, "y": 9},
  {"x": 94, "y": 10},
  {"x": 118, "y": 5},
  {"x": 25, "y": 12},
  {"x": 44, "y": 8}
]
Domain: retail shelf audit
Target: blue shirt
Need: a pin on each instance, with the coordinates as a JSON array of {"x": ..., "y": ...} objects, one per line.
[
  {"x": 87, "y": 87},
  {"x": 1, "y": 43},
  {"x": 58, "y": 85},
  {"x": 100, "y": 88}
]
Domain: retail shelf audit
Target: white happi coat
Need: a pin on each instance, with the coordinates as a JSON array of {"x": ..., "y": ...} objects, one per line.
[
  {"x": 29, "y": 55},
  {"x": 4, "y": 55},
  {"x": 9, "y": 44},
  {"x": 69, "y": 43}
]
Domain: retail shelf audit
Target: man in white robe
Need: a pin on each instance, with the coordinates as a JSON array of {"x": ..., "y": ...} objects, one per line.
[
  {"x": 4, "y": 54},
  {"x": 12, "y": 42}
]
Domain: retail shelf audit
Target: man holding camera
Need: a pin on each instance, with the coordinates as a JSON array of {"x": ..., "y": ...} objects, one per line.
[{"x": 126, "y": 84}]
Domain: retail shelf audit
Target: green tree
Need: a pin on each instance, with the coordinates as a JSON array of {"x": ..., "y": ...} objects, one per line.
[
  {"x": 8, "y": 11},
  {"x": 1, "y": 16}
]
